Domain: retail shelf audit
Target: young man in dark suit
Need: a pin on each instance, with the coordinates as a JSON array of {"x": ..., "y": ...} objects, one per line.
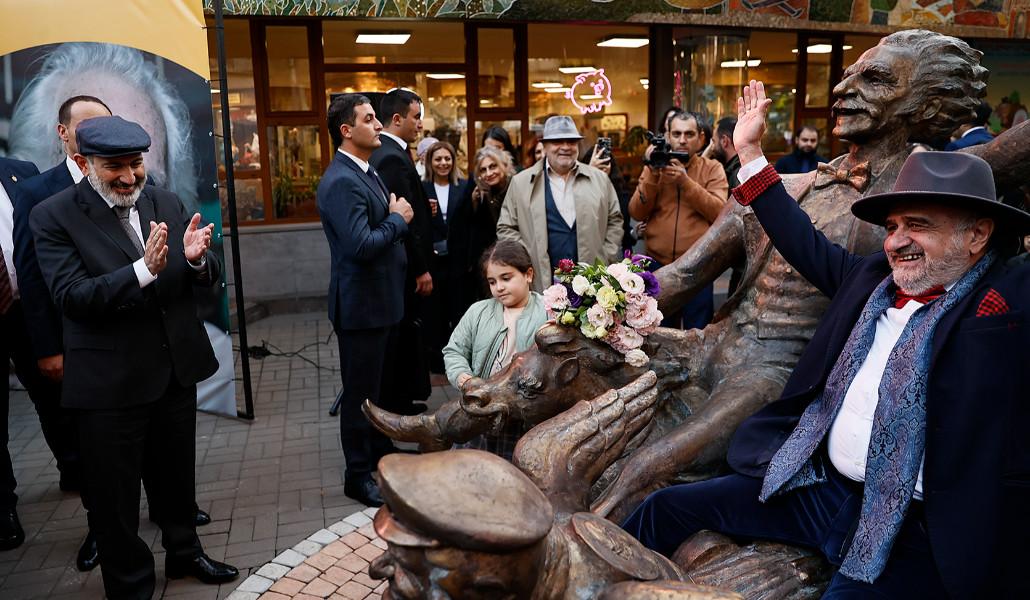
[
  {"x": 134, "y": 349},
  {"x": 365, "y": 226},
  {"x": 898, "y": 447},
  {"x": 14, "y": 344},
  {"x": 401, "y": 111}
]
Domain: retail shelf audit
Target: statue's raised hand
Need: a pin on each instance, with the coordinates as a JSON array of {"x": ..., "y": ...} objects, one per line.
[
  {"x": 752, "y": 110},
  {"x": 567, "y": 453}
]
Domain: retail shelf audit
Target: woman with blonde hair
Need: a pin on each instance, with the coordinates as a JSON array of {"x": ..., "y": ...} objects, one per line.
[{"x": 490, "y": 173}]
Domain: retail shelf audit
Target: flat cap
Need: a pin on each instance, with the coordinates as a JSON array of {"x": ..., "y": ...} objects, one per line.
[
  {"x": 465, "y": 499},
  {"x": 111, "y": 136}
]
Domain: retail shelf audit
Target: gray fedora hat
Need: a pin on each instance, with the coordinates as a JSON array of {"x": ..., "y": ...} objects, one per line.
[
  {"x": 948, "y": 179},
  {"x": 560, "y": 128}
]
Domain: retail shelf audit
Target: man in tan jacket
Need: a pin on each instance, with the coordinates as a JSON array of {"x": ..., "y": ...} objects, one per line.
[
  {"x": 677, "y": 203},
  {"x": 561, "y": 208}
]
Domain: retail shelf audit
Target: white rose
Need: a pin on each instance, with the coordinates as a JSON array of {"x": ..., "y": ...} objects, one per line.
[
  {"x": 617, "y": 270},
  {"x": 636, "y": 358},
  {"x": 580, "y": 285}
]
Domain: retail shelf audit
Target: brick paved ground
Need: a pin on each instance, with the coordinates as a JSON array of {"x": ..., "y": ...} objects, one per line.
[{"x": 268, "y": 484}]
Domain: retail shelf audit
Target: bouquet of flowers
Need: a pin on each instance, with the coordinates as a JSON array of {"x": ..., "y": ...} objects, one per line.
[{"x": 615, "y": 303}]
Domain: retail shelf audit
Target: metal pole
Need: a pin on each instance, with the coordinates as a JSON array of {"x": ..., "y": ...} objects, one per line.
[{"x": 230, "y": 189}]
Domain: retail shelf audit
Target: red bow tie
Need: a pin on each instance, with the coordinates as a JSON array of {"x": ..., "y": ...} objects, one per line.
[{"x": 901, "y": 298}]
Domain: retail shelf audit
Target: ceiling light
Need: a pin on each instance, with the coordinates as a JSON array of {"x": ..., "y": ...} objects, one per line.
[
  {"x": 623, "y": 41},
  {"x": 819, "y": 49},
  {"x": 445, "y": 76},
  {"x": 545, "y": 84},
  {"x": 558, "y": 90},
  {"x": 847, "y": 47},
  {"x": 575, "y": 70},
  {"x": 382, "y": 38},
  {"x": 740, "y": 64},
  {"x": 644, "y": 81},
  {"x": 591, "y": 97}
]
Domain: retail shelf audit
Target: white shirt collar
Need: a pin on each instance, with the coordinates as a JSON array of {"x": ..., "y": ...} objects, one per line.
[
  {"x": 399, "y": 141},
  {"x": 361, "y": 163},
  {"x": 73, "y": 169},
  {"x": 972, "y": 129}
]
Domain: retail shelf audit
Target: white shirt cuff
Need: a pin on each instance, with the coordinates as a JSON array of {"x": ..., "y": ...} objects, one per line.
[
  {"x": 201, "y": 265},
  {"x": 143, "y": 274},
  {"x": 751, "y": 169}
]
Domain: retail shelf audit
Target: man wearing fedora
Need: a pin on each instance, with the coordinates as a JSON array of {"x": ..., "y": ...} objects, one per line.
[
  {"x": 562, "y": 208},
  {"x": 898, "y": 446}
]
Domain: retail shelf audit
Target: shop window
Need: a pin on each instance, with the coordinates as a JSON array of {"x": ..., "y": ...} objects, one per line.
[
  {"x": 817, "y": 72},
  {"x": 443, "y": 100},
  {"x": 496, "y": 54},
  {"x": 711, "y": 70},
  {"x": 425, "y": 42},
  {"x": 289, "y": 68},
  {"x": 296, "y": 166},
  {"x": 778, "y": 69},
  {"x": 514, "y": 130},
  {"x": 243, "y": 119},
  {"x": 614, "y": 105}
]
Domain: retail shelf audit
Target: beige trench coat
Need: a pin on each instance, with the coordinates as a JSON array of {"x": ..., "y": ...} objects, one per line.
[{"x": 598, "y": 218}]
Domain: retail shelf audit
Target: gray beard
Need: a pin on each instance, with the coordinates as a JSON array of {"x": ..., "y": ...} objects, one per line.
[
  {"x": 943, "y": 271},
  {"x": 107, "y": 192}
]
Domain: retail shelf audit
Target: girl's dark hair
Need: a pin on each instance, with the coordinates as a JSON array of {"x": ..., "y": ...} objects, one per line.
[{"x": 507, "y": 252}]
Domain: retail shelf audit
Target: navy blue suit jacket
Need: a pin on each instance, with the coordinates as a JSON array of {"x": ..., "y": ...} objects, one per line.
[
  {"x": 43, "y": 317},
  {"x": 14, "y": 175},
  {"x": 973, "y": 138},
  {"x": 977, "y": 472},
  {"x": 366, "y": 245}
]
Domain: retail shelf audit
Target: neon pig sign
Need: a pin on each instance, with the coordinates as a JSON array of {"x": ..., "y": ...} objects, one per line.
[{"x": 591, "y": 92}]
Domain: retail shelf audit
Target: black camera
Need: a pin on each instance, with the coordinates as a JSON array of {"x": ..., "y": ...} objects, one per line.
[{"x": 662, "y": 153}]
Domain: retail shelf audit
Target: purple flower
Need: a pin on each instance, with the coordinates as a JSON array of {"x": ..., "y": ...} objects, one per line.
[
  {"x": 575, "y": 300},
  {"x": 641, "y": 260},
  {"x": 651, "y": 286}
]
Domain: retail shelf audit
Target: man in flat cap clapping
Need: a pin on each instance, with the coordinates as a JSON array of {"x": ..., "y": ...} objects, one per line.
[{"x": 120, "y": 259}]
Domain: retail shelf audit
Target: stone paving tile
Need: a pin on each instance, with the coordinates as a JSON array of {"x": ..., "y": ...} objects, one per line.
[{"x": 268, "y": 484}]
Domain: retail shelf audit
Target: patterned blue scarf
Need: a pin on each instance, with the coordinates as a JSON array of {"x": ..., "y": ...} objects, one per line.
[{"x": 899, "y": 424}]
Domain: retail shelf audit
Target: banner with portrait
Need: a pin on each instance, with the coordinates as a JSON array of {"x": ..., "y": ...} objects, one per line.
[{"x": 148, "y": 61}]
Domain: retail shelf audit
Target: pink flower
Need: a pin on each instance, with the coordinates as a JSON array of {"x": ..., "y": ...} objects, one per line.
[
  {"x": 636, "y": 358},
  {"x": 598, "y": 316},
  {"x": 617, "y": 270},
  {"x": 556, "y": 298},
  {"x": 623, "y": 338},
  {"x": 643, "y": 313}
]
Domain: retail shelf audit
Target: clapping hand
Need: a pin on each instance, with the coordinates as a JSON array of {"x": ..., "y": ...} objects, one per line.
[
  {"x": 752, "y": 109},
  {"x": 195, "y": 242},
  {"x": 155, "y": 255}
]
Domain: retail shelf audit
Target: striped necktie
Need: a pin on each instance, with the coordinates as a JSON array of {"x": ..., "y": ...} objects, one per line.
[{"x": 122, "y": 212}]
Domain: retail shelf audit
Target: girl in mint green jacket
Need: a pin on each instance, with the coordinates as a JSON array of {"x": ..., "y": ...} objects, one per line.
[{"x": 494, "y": 330}]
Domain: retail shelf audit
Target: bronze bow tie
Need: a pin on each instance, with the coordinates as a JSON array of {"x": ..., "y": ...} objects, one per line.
[{"x": 857, "y": 176}]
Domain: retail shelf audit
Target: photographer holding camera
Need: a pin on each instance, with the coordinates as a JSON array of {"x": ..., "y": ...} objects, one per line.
[{"x": 678, "y": 196}]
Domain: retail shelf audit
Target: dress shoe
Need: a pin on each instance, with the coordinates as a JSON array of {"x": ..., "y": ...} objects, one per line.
[
  {"x": 202, "y": 518},
  {"x": 11, "y": 533},
  {"x": 203, "y": 568},
  {"x": 88, "y": 558},
  {"x": 364, "y": 490}
]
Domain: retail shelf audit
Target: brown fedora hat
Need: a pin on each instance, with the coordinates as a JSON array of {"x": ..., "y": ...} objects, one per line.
[{"x": 947, "y": 179}]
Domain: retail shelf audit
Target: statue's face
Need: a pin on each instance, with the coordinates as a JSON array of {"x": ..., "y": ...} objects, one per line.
[
  {"x": 873, "y": 94},
  {"x": 443, "y": 573}
]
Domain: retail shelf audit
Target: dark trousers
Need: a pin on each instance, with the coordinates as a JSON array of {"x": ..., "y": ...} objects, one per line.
[
  {"x": 118, "y": 445},
  {"x": 368, "y": 370},
  {"x": 820, "y": 516},
  {"x": 447, "y": 307},
  {"x": 56, "y": 423},
  {"x": 695, "y": 314}
]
